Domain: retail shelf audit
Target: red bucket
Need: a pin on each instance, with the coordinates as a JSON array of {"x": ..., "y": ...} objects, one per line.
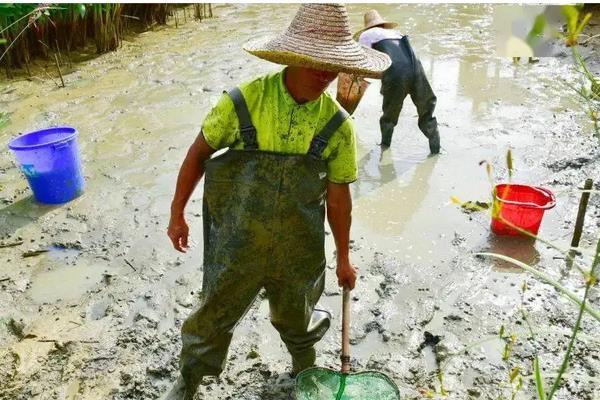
[{"x": 522, "y": 206}]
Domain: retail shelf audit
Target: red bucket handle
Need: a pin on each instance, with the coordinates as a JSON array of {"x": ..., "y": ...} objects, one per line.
[{"x": 546, "y": 206}]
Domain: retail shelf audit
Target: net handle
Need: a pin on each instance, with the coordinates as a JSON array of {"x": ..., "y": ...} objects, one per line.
[{"x": 346, "y": 331}]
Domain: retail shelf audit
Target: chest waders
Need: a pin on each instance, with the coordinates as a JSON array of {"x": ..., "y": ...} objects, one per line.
[
  {"x": 264, "y": 216},
  {"x": 406, "y": 76}
]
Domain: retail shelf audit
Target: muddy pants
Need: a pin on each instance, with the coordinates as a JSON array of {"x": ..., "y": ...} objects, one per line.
[
  {"x": 228, "y": 292},
  {"x": 263, "y": 216},
  {"x": 406, "y": 77}
]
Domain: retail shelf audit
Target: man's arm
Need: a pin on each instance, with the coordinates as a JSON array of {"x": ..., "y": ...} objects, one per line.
[
  {"x": 190, "y": 173},
  {"x": 339, "y": 215}
]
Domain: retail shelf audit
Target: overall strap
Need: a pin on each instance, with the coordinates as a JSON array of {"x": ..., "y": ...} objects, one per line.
[
  {"x": 319, "y": 142},
  {"x": 247, "y": 130}
]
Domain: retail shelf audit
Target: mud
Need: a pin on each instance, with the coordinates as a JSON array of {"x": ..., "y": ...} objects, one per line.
[{"x": 97, "y": 316}]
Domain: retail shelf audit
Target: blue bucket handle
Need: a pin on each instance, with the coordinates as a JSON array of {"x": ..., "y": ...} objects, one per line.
[{"x": 60, "y": 145}]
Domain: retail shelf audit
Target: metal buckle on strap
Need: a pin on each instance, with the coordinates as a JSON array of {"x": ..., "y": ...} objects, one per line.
[
  {"x": 317, "y": 146},
  {"x": 248, "y": 134}
]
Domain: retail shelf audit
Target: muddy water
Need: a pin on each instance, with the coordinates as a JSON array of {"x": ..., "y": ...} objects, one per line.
[{"x": 116, "y": 299}]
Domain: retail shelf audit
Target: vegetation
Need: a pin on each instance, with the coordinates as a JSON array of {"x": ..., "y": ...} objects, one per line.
[
  {"x": 589, "y": 92},
  {"x": 589, "y": 276},
  {"x": 589, "y": 88},
  {"x": 29, "y": 31}
]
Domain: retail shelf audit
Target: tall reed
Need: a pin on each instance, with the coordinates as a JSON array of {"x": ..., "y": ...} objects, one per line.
[{"x": 30, "y": 31}]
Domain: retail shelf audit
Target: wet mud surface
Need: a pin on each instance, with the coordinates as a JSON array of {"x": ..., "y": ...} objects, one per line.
[{"x": 93, "y": 296}]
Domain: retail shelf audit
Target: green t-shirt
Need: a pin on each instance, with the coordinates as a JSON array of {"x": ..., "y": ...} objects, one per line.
[{"x": 284, "y": 126}]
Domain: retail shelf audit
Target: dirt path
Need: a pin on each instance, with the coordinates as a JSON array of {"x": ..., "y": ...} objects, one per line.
[{"x": 98, "y": 316}]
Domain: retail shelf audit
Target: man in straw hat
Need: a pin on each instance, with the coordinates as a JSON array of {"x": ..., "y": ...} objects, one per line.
[
  {"x": 404, "y": 77},
  {"x": 291, "y": 157}
]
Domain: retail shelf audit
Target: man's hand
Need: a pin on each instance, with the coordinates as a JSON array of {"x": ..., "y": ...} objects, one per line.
[
  {"x": 346, "y": 274},
  {"x": 178, "y": 233},
  {"x": 339, "y": 210},
  {"x": 190, "y": 173}
]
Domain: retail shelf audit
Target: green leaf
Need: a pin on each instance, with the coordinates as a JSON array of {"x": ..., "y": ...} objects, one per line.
[
  {"x": 571, "y": 15},
  {"x": 455, "y": 200},
  {"x": 8, "y": 10},
  {"x": 3, "y": 41},
  {"x": 81, "y": 9},
  {"x": 586, "y": 19},
  {"x": 537, "y": 31},
  {"x": 519, "y": 383},
  {"x": 475, "y": 206},
  {"x": 539, "y": 383}
]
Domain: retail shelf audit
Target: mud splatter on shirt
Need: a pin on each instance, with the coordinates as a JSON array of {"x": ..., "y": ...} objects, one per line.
[{"x": 284, "y": 126}]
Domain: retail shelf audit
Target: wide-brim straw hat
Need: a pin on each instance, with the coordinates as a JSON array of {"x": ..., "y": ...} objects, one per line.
[
  {"x": 319, "y": 37},
  {"x": 372, "y": 19}
]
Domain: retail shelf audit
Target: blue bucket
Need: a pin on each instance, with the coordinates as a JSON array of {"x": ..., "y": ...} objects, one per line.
[{"x": 50, "y": 160}]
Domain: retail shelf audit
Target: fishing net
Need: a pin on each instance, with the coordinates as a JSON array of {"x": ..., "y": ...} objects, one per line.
[{"x": 325, "y": 384}]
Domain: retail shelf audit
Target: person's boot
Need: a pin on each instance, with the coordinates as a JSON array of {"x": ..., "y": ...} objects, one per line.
[
  {"x": 386, "y": 140},
  {"x": 387, "y": 130},
  {"x": 434, "y": 142},
  {"x": 179, "y": 391},
  {"x": 305, "y": 358},
  {"x": 300, "y": 363}
]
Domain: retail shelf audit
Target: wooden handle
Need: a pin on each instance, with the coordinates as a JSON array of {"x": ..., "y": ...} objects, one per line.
[{"x": 346, "y": 331}]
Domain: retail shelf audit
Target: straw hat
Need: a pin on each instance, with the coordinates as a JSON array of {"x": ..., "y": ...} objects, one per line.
[
  {"x": 372, "y": 19},
  {"x": 319, "y": 37}
]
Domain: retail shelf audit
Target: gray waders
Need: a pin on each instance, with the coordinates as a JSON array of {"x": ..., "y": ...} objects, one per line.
[
  {"x": 406, "y": 77},
  {"x": 264, "y": 216}
]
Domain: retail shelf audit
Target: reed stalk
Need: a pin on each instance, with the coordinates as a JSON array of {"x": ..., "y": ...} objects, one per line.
[{"x": 27, "y": 31}]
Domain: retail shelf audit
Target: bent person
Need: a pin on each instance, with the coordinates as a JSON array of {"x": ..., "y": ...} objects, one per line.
[{"x": 405, "y": 77}]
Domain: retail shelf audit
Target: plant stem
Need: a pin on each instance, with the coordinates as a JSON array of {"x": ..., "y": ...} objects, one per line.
[
  {"x": 546, "y": 278},
  {"x": 590, "y": 281},
  {"x": 62, "y": 81}
]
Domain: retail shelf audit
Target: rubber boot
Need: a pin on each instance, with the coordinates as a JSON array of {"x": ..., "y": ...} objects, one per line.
[
  {"x": 320, "y": 322},
  {"x": 429, "y": 127},
  {"x": 307, "y": 360},
  {"x": 179, "y": 391},
  {"x": 387, "y": 130},
  {"x": 434, "y": 142}
]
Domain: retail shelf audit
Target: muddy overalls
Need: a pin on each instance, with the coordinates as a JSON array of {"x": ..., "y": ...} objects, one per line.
[
  {"x": 264, "y": 215},
  {"x": 405, "y": 76}
]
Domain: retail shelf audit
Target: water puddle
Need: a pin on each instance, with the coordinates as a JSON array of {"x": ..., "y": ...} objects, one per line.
[
  {"x": 63, "y": 253},
  {"x": 519, "y": 248},
  {"x": 66, "y": 283}
]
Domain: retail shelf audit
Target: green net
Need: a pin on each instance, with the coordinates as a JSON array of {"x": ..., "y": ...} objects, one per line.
[{"x": 325, "y": 384}]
